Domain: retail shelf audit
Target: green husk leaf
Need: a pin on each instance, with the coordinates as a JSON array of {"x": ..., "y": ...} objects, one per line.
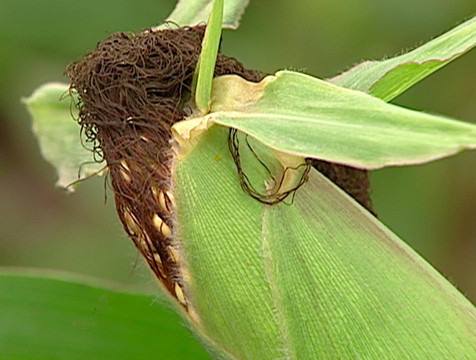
[
  {"x": 371, "y": 290},
  {"x": 233, "y": 303},
  {"x": 308, "y": 117},
  {"x": 58, "y": 135},
  {"x": 195, "y": 12},
  {"x": 206, "y": 63},
  {"x": 58, "y": 316},
  {"x": 319, "y": 278},
  {"x": 387, "y": 79}
]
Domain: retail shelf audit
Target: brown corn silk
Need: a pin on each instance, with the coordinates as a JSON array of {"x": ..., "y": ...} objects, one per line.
[{"x": 132, "y": 88}]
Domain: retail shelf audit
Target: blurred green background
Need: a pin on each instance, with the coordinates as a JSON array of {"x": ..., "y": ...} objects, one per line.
[{"x": 432, "y": 206}]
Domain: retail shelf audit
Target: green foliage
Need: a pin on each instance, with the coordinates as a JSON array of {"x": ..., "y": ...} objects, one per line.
[
  {"x": 206, "y": 63},
  {"x": 308, "y": 117},
  {"x": 195, "y": 12},
  {"x": 387, "y": 79},
  {"x": 57, "y": 316},
  {"x": 57, "y": 133}
]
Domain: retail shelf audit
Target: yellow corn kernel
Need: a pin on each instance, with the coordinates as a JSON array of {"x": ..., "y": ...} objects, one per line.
[
  {"x": 161, "y": 226},
  {"x": 179, "y": 294}
]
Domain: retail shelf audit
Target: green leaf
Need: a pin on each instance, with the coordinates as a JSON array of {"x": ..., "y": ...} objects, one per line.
[
  {"x": 50, "y": 316},
  {"x": 194, "y": 12},
  {"x": 316, "y": 279},
  {"x": 387, "y": 79},
  {"x": 206, "y": 63},
  {"x": 308, "y": 117},
  {"x": 58, "y": 134}
]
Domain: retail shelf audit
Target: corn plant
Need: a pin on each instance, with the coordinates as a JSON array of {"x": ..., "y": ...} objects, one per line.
[{"x": 247, "y": 195}]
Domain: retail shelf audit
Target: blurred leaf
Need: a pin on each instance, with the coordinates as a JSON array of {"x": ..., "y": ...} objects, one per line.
[
  {"x": 206, "y": 63},
  {"x": 308, "y": 117},
  {"x": 387, "y": 79},
  {"x": 317, "y": 278},
  {"x": 58, "y": 134},
  {"x": 195, "y": 12},
  {"x": 58, "y": 317}
]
